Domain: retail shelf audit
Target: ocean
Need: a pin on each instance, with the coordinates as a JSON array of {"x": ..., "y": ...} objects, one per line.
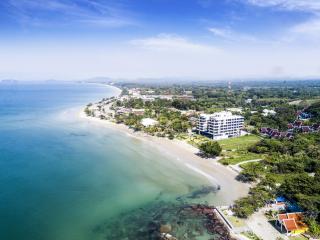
[{"x": 66, "y": 179}]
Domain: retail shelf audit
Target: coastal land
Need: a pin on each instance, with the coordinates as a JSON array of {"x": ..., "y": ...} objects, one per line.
[
  {"x": 186, "y": 154},
  {"x": 261, "y": 145}
]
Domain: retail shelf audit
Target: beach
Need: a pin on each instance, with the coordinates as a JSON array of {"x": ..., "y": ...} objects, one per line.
[{"x": 185, "y": 156}]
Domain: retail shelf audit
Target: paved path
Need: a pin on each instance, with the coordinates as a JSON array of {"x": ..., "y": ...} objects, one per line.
[
  {"x": 258, "y": 223},
  {"x": 237, "y": 167}
]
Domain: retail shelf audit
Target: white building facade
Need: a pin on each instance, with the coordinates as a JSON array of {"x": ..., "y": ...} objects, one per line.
[{"x": 220, "y": 125}]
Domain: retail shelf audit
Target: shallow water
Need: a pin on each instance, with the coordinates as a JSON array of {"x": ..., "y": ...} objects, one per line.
[{"x": 61, "y": 177}]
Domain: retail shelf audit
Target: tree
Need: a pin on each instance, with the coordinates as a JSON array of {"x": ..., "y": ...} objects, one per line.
[{"x": 210, "y": 149}]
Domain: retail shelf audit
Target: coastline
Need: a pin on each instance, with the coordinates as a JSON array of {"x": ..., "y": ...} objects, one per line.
[
  {"x": 182, "y": 152},
  {"x": 211, "y": 169}
]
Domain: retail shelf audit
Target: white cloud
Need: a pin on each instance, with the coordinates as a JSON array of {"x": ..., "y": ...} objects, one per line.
[
  {"x": 230, "y": 35},
  {"x": 66, "y": 12},
  {"x": 169, "y": 42},
  {"x": 311, "y": 27},
  {"x": 306, "y": 32},
  {"x": 220, "y": 32},
  {"x": 157, "y": 57},
  {"x": 298, "y": 5}
]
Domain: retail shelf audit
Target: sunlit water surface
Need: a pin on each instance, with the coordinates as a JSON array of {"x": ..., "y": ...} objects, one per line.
[{"x": 61, "y": 177}]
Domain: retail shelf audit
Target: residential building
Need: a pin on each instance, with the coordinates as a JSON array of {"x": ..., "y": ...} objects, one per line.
[
  {"x": 202, "y": 126},
  {"x": 138, "y": 112},
  {"x": 292, "y": 223},
  {"x": 267, "y": 112},
  {"x": 147, "y": 122},
  {"x": 248, "y": 101},
  {"x": 220, "y": 125},
  {"x": 184, "y": 97}
]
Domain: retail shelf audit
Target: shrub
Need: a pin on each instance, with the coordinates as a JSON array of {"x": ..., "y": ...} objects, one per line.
[{"x": 210, "y": 149}]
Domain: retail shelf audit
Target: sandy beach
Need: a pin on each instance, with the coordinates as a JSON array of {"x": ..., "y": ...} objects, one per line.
[{"x": 184, "y": 153}]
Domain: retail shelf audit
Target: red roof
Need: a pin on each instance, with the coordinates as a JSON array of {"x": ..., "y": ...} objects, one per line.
[
  {"x": 295, "y": 216},
  {"x": 290, "y": 224},
  {"x": 291, "y": 221},
  {"x": 282, "y": 216}
]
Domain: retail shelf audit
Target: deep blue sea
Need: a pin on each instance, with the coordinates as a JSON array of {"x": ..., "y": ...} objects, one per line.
[{"x": 61, "y": 177}]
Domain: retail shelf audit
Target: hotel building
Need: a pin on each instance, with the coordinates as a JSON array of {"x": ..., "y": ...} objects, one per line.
[{"x": 220, "y": 125}]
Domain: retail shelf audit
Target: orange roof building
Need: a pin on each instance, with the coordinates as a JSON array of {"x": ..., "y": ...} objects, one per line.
[{"x": 293, "y": 223}]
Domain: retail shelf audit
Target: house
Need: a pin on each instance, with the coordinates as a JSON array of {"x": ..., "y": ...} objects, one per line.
[
  {"x": 264, "y": 130},
  {"x": 283, "y": 134},
  {"x": 184, "y": 97},
  {"x": 292, "y": 223},
  {"x": 267, "y": 112},
  {"x": 303, "y": 116},
  {"x": 278, "y": 204},
  {"x": 289, "y": 135},
  {"x": 306, "y": 129},
  {"x": 297, "y": 124},
  {"x": 248, "y": 101},
  {"x": 290, "y": 126},
  {"x": 316, "y": 127},
  {"x": 147, "y": 122},
  {"x": 123, "y": 111},
  {"x": 138, "y": 112},
  {"x": 274, "y": 133},
  {"x": 145, "y": 98}
]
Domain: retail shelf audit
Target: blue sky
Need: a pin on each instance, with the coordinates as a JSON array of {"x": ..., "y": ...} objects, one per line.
[{"x": 198, "y": 39}]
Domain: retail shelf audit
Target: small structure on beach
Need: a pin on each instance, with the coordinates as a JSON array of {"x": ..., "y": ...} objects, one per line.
[
  {"x": 278, "y": 204},
  {"x": 292, "y": 223},
  {"x": 147, "y": 122}
]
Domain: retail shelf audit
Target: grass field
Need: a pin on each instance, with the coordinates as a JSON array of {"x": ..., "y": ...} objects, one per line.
[
  {"x": 235, "y": 149},
  {"x": 236, "y": 222},
  {"x": 239, "y": 143}
]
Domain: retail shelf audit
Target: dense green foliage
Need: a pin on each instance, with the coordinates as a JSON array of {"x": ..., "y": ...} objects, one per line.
[
  {"x": 171, "y": 122},
  {"x": 314, "y": 109},
  {"x": 284, "y": 114},
  {"x": 235, "y": 150},
  {"x": 210, "y": 149},
  {"x": 295, "y": 166}
]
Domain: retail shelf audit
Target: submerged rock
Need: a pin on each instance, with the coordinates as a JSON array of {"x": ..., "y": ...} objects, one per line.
[
  {"x": 166, "y": 228},
  {"x": 167, "y": 236},
  {"x": 199, "y": 192},
  {"x": 166, "y": 221}
]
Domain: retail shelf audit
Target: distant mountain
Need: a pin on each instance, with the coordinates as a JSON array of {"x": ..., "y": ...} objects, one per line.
[
  {"x": 9, "y": 81},
  {"x": 98, "y": 80}
]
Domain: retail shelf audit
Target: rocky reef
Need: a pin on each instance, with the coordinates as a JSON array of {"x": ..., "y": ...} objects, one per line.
[{"x": 168, "y": 220}]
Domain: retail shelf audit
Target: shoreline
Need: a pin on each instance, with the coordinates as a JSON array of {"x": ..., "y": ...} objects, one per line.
[{"x": 211, "y": 169}]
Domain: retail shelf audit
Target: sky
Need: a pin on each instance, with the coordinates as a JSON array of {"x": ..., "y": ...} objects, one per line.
[{"x": 181, "y": 39}]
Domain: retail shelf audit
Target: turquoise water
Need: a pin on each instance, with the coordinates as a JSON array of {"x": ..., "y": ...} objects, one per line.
[{"x": 61, "y": 177}]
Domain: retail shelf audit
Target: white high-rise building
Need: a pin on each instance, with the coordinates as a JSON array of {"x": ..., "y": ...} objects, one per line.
[{"x": 220, "y": 125}]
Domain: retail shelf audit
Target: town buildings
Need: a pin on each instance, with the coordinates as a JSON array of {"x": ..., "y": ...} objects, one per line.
[{"x": 220, "y": 125}]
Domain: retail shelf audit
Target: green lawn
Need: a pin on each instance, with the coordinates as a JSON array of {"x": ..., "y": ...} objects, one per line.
[
  {"x": 251, "y": 235},
  {"x": 238, "y": 157},
  {"x": 239, "y": 143},
  {"x": 235, "y": 149},
  {"x": 236, "y": 222}
]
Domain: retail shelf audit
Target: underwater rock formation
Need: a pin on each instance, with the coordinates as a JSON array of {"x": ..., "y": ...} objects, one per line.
[{"x": 166, "y": 221}]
